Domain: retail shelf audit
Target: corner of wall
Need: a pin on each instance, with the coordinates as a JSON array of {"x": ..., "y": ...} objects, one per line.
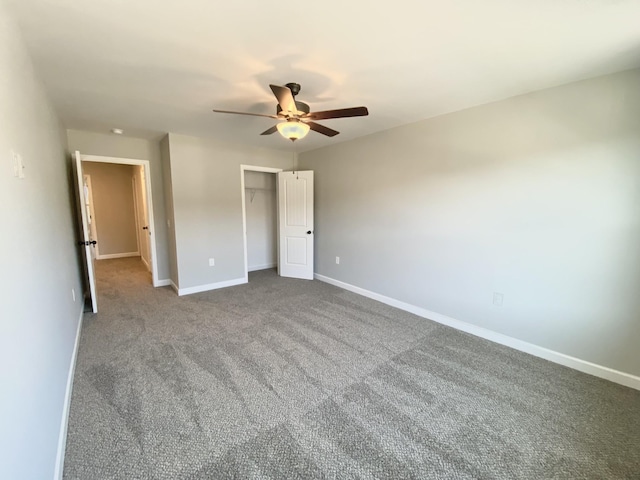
[{"x": 167, "y": 178}]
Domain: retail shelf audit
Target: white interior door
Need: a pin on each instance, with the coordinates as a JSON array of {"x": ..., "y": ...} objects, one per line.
[
  {"x": 86, "y": 240},
  {"x": 142, "y": 216},
  {"x": 295, "y": 224},
  {"x": 145, "y": 248},
  {"x": 91, "y": 214}
]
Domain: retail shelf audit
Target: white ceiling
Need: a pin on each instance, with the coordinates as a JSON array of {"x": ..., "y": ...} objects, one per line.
[{"x": 152, "y": 66}]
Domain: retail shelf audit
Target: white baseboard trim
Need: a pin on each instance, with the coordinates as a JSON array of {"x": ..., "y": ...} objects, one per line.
[
  {"x": 163, "y": 283},
  {"x": 174, "y": 286},
  {"x": 64, "y": 422},
  {"x": 607, "y": 373},
  {"x": 146, "y": 264},
  {"x": 210, "y": 286},
  {"x": 117, "y": 255},
  {"x": 262, "y": 267}
]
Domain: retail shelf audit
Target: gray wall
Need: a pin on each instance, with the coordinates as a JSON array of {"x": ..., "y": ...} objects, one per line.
[
  {"x": 207, "y": 205},
  {"x": 38, "y": 317},
  {"x": 168, "y": 197},
  {"x": 261, "y": 207},
  {"x": 113, "y": 206},
  {"x": 536, "y": 197},
  {"x": 91, "y": 143}
]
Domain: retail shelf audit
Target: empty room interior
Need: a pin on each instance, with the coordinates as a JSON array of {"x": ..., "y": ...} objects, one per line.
[{"x": 322, "y": 240}]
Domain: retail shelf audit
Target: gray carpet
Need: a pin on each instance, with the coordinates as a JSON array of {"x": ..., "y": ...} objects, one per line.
[{"x": 286, "y": 379}]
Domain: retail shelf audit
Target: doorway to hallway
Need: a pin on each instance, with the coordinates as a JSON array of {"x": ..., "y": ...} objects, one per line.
[{"x": 116, "y": 210}]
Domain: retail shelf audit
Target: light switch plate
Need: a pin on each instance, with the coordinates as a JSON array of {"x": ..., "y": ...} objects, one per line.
[
  {"x": 16, "y": 163},
  {"x": 20, "y": 167}
]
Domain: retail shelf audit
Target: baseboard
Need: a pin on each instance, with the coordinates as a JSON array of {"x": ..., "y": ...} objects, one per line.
[
  {"x": 174, "y": 286},
  {"x": 64, "y": 422},
  {"x": 146, "y": 264},
  {"x": 163, "y": 283},
  {"x": 117, "y": 255},
  {"x": 211, "y": 286},
  {"x": 600, "y": 371},
  {"x": 262, "y": 267}
]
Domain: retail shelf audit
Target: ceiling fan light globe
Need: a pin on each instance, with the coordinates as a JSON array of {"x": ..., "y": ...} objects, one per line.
[{"x": 293, "y": 130}]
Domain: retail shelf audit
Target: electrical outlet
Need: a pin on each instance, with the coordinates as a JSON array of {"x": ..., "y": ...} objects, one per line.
[
  {"x": 498, "y": 299},
  {"x": 337, "y": 260},
  {"x": 212, "y": 262}
]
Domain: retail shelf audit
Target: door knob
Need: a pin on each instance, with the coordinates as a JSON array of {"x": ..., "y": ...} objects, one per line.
[
  {"x": 309, "y": 232},
  {"x": 145, "y": 228}
]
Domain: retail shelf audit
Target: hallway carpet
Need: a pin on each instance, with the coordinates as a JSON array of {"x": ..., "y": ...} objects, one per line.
[{"x": 294, "y": 379}]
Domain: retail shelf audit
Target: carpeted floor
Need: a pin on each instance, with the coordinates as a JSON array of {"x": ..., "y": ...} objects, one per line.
[{"x": 287, "y": 379}]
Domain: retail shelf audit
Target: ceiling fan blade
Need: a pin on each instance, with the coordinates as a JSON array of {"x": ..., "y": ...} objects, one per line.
[
  {"x": 340, "y": 113},
  {"x": 316, "y": 127},
  {"x": 285, "y": 98},
  {"x": 270, "y": 130},
  {"x": 246, "y": 113}
]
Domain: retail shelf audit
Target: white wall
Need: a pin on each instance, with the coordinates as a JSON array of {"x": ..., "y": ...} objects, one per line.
[
  {"x": 39, "y": 258},
  {"x": 207, "y": 204},
  {"x": 113, "y": 204},
  {"x": 536, "y": 197},
  {"x": 261, "y": 208},
  {"x": 108, "y": 145}
]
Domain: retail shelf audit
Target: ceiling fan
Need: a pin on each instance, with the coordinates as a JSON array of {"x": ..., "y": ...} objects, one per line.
[{"x": 298, "y": 116}]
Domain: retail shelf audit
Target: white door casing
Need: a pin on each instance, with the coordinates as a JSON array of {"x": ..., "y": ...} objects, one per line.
[
  {"x": 253, "y": 168},
  {"x": 86, "y": 233},
  {"x": 295, "y": 224}
]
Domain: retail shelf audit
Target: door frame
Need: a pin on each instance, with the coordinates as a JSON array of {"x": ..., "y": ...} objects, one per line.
[
  {"x": 147, "y": 171},
  {"x": 251, "y": 168}
]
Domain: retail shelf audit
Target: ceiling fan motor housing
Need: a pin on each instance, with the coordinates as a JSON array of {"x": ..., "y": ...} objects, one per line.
[{"x": 294, "y": 87}]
